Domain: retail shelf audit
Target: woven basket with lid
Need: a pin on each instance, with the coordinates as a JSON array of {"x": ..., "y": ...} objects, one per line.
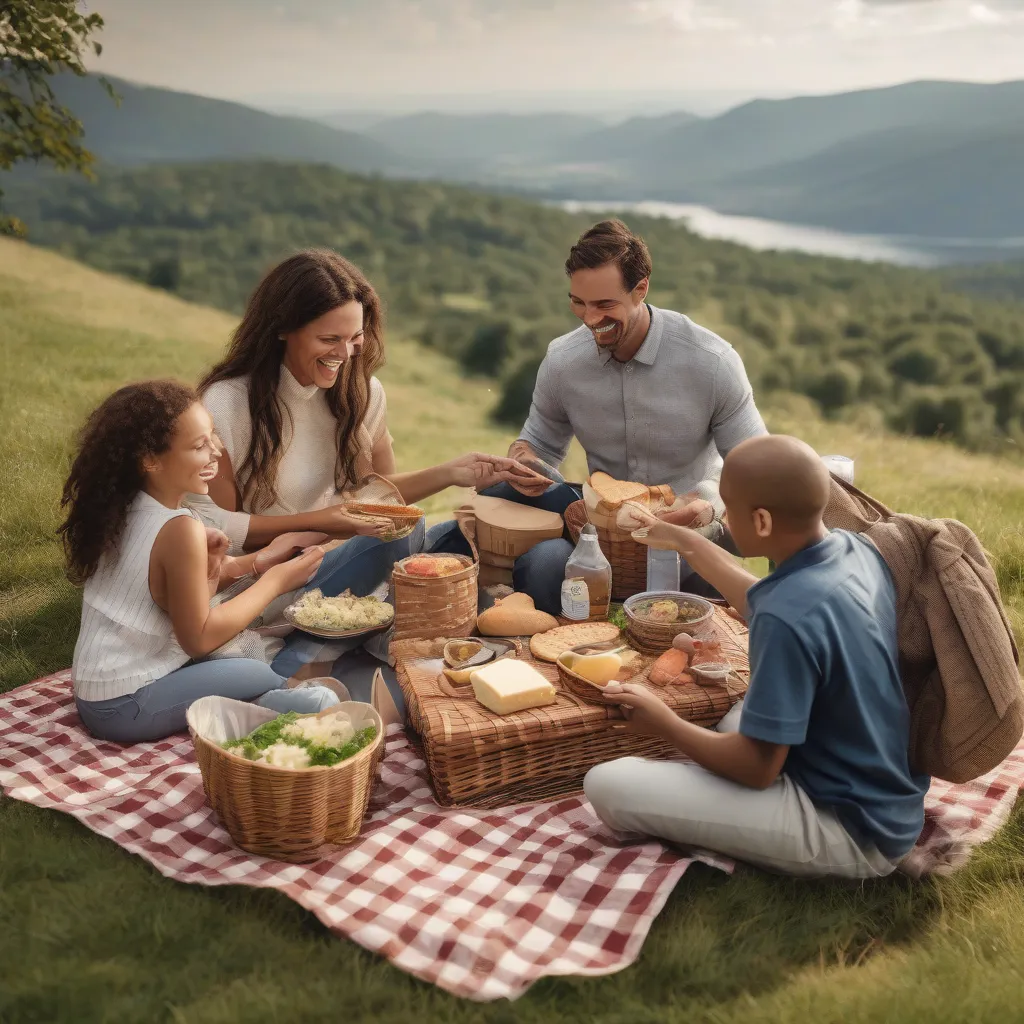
[
  {"x": 480, "y": 759},
  {"x": 435, "y": 606}
]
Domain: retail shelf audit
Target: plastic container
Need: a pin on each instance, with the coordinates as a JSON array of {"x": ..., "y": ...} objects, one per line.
[
  {"x": 587, "y": 588},
  {"x": 662, "y": 570}
]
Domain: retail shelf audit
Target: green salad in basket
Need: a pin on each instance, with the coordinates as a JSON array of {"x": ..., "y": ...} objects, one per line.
[
  {"x": 294, "y": 741},
  {"x": 617, "y": 616}
]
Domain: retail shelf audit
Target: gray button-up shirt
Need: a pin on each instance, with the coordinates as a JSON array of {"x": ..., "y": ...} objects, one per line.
[{"x": 668, "y": 416}]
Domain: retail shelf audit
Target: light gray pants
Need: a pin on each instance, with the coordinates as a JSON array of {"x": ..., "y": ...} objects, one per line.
[{"x": 777, "y": 828}]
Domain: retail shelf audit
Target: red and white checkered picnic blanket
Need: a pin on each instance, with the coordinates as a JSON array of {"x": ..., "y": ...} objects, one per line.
[{"x": 481, "y": 903}]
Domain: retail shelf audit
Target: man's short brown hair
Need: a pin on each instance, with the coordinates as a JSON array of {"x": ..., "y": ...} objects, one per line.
[{"x": 611, "y": 242}]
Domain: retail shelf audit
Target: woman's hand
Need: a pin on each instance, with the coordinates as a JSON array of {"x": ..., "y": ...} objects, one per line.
[
  {"x": 646, "y": 713},
  {"x": 296, "y": 573},
  {"x": 482, "y": 471},
  {"x": 217, "y": 545},
  {"x": 361, "y": 528},
  {"x": 283, "y": 548}
]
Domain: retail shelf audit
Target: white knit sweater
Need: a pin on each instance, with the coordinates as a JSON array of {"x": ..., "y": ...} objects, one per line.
[{"x": 305, "y": 475}]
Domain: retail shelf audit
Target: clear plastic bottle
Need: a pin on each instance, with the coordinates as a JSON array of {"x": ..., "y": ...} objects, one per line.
[
  {"x": 662, "y": 570},
  {"x": 587, "y": 589}
]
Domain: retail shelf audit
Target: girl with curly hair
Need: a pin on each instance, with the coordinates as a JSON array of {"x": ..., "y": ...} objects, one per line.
[{"x": 149, "y": 570}]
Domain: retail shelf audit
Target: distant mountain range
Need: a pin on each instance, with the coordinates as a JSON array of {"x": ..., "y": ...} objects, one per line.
[{"x": 939, "y": 159}]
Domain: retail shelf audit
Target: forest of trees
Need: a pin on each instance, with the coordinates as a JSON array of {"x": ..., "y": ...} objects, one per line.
[{"x": 480, "y": 277}]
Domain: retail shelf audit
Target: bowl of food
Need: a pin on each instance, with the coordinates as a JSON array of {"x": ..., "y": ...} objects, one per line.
[
  {"x": 337, "y": 617},
  {"x": 656, "y": 617}
]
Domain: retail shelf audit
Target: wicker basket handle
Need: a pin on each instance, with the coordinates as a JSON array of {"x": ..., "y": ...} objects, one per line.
[{"x": 465, "y": 516}]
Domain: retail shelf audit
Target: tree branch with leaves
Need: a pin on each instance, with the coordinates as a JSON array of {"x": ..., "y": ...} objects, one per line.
[{"x": 40, "y": 39}]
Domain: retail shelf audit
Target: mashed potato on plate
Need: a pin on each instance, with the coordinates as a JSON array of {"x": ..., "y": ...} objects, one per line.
[{"x": 340, "y": 613}]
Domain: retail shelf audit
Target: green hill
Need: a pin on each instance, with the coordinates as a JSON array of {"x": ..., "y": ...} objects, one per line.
[
  {"x": 93, "y": 934},
  {"x": 479, "y": 277},
  {"x": 936, "y": 180},
  {"x": 152, "y": 125}
]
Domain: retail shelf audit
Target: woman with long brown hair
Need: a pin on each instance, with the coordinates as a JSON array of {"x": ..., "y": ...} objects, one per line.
[{"x": 303, "y": 424}]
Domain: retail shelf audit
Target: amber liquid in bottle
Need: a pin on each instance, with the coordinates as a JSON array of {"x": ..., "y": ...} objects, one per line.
[{"x": 587, "y": 589}]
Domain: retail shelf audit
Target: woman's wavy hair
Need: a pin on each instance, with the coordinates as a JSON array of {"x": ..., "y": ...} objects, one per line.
[
  {"x": 295, "y": 293},
  {"x": 135, "y": 421}
]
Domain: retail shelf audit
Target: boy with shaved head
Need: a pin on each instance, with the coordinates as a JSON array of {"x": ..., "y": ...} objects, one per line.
[{"x": 810, "y": 774}]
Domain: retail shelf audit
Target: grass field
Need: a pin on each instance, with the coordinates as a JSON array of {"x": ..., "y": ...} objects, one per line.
[{"x": 90, "y": 933}]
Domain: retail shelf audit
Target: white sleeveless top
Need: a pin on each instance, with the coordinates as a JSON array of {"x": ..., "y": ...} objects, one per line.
[{"x": 126, "y": 640}]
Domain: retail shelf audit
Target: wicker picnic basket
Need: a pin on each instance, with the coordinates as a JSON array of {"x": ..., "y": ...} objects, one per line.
[
  {"x": 284, "y": 813},
  {"x": 427, "y": 606},
  {"x": 628, "y": 558},
  {"x": 480, "y": 759}
]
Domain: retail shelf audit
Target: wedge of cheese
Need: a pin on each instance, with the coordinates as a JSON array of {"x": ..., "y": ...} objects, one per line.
[{"x": 511, "y": 685}]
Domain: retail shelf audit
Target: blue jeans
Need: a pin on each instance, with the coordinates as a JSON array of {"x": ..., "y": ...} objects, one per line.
[
  {"x": 158, "y": 709},
  {"x": 541, "y": 570},
  {"x": 361, "y": 565}
]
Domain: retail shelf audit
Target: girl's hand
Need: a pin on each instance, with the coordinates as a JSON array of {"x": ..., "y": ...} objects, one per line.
[
  {"x": 646, "y": 713},
  {"x": 217, "y": 545},
  {"x": 284, "y": 547},
  {"x": 289, "y": 576}
]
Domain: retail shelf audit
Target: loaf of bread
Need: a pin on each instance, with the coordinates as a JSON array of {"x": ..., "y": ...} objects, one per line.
[
  {"x": 614, "y": 492},
  {"x": 515, "y": 615}
]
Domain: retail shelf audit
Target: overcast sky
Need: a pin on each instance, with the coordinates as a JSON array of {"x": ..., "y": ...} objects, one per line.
[{"x": 361, "y": 53}]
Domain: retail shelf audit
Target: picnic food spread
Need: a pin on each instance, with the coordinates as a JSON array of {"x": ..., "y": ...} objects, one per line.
[
  {"x": 515, "y": 615},
  {"x": 343, "y": 612},
  {"x": 432, "y": 566},
  {"x": 511, "y": 685},
  {"x": 303, "y": 741}
]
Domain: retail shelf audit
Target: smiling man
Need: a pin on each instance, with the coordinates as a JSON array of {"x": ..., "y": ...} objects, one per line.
[{"x": 651, "y": 396}]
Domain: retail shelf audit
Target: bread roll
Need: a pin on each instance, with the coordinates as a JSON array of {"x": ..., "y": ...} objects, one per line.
[{"x": 516, "y": 615}]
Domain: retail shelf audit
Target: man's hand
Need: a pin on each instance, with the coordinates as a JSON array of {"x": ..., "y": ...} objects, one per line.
[
  {"x": 537, "y": 479},
  {"x": 646, "y": 713},
  {"x": 694, "y": 513},
  {"x": 283, "y": 548},
  {"x": 217, "y": 545},
  {"x": 482, "y": 471}
]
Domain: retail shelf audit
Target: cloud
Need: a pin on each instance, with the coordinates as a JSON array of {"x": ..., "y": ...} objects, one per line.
[{"x": 352, "y": 52}]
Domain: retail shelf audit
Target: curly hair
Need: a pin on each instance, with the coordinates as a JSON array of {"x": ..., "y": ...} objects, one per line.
[
  {"x": 106, "y": 475},
  {"x": 296, "y": 292}
]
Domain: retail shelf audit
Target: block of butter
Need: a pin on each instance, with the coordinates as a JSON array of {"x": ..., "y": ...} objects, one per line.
[{"x": 511, "y": 685}]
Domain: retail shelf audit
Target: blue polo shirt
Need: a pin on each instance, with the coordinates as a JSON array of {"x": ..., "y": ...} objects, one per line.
[{"x": 825, "y": 681}]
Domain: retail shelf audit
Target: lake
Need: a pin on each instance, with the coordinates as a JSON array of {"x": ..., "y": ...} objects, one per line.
[{"x": 758, "y": 233}]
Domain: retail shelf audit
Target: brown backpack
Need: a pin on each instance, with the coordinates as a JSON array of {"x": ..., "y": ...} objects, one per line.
[{"x": 958, "y": 659}]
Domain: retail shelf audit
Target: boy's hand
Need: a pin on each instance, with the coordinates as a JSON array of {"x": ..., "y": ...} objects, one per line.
[
  {"x": 647, "y": 528},
  {"x": 646, "y": 713}
]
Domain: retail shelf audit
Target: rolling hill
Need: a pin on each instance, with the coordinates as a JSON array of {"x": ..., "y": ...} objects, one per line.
[
  {"x": 153, "y": 125},
  {"x": 479, "y": 277},
  {"x": 927, "y": 158},
  {"x": 916, "y": 180},
  {"x": 95, "y": 934}
]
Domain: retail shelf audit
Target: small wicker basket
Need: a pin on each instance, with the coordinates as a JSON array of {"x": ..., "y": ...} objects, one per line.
[
  {"x": 583, "y": 688},
  {"x": 427, "y": 607},
  {"x": 656, "y": 637},
  {"x": 403, "y": 518},
  {"x": 286, "y": 813}
]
